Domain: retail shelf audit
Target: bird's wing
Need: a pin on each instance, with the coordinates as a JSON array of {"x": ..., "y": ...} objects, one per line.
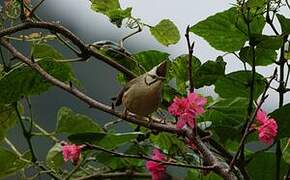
[{"x": 124, "y": 89}]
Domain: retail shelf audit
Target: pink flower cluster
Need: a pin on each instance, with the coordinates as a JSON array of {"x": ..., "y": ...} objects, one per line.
[
  {"x": 186, "y": 109},
  {"x": 157, "y": 169},
  {"x": 268, "y": 128},
  {"x": 71, "y": 152}
]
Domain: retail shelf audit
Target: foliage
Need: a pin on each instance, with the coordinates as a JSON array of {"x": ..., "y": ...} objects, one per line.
[{"x": 227, "y": 125}]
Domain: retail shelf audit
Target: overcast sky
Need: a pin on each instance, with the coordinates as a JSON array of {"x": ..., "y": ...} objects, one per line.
[{"x": 91, "y": 26}]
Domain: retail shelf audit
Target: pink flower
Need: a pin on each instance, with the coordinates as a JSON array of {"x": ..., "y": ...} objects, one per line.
[
  {"x": 187, "y": 118},
  {"x": 268, "y": 128},
  {"x": 268, "y": 131},
  {"x": 157, "y": 169},
  {"x": 71, "y": 152},
  {"x": 186, "y": 109},
  {"x": 178, "y": 106},
  {"x": 261, "y": 116},
  {"x": 196, "y": 103}
]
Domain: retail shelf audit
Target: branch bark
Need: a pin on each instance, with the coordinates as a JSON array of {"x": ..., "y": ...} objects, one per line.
[{"x": 221, "y": 168}]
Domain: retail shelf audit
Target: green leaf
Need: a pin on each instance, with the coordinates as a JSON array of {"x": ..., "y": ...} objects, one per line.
[
  {"x": 54, "y": 158},
  {"x": 8, "y": 118},
  {"x": 111, "y": 141},
  {"x": 165, "y": 32},
  {"x": 112, "y": 9},
  {"x": 11, "y": 163},
  {"x": 168, "y": 93},
  {"x": 24, "y": 81},
  {"x": 168, "y": 143},
  {"x": 284, "y": 23},
  {"x": 149, "y": 59},
  {"x": 281, "y": 116},
  {"x": 227, "y": 116},
  {"x": 196, "y": 174},
  {"x": 256, "y": 4},
  {"x": 112, "y": 162},
  {"x": 108, "y": 141},
  {"x": 208, "y": 73},
  {"x": 237, "y": 84},
  {"x": 285, "y": 146},
  {"x": 71, "y": 122},
  {"x": 179, "y": 71},
  {"x": 227, "y": 30},
  {"x": 45, "y": 51},
  {"x": 262, "y": 167},
  {"x": 117, "y": 15},
  {"x": 263, "y": 56},
  {"x": 267, "y": 42}
]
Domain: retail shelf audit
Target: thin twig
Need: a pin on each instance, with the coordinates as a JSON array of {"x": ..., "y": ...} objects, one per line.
[
  {"x": 12, "y": 147},
  {"x": 252, "y": 119},
  {"x": 203, "y": 149},
  {"x": 269, "y": 20},
  {"x": 119, "y": 154},
  {"x": 26, "y": 134},
  {"x": 35, "y": 8},
  {"x": 128, "y": 174},
  {"x": 281, "y": 91},
  {"x": 190, "y": 47},
  {"x": 86, "y": 51}
]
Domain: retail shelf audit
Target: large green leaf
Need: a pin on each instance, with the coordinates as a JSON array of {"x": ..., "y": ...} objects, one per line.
[
  {"x": 108, "y": 141},
  {"x": 179, "y": 71},
  {"x": 208, "y": 73},
  {"x": 281, "y": 115},
  {"x": 196, "y": 174},
  {"x": 149, "y": 59},
  {"x": 263, "y": 56},
  {"x": 71, "y": 122},
  {"x": 168, "y": 143},
  {"x": 11, "y": 163},
  {"x": 262, "y": 167},
  {"x": 8, "y": 118},
  {"x": 285, "y": 144},
  {"x": 112, "y": 9},
  {"x": 227, "y": 30},
  {"x": 165, "y": 32},
  {"x": 267, "y": 42},
  {"x": 45, "y": 51},
  {"x": 237, "y": 84},
  {"x": 54, "y": 158},
  {"x": 227, "y": 117},
  {"x": 284, "y": 23},
  {"x": 24, "y": 81}
]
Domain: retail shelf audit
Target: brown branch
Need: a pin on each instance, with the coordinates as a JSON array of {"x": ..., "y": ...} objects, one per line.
[
  {"x": 220, "y": 168},
  {"x": 128, "y": 174},
  {"x": 86, "y": 51},
  {"x": 190, "y": 47},
  {"x": 119, "y": 154},
  {"x": 251, "y": 121}
]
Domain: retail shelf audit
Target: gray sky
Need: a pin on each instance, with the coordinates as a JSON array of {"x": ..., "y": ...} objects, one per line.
[{"x": 92, "y": 26}]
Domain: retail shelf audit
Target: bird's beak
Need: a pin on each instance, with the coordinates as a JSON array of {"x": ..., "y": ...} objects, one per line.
[{"x": 161, "y": 69}]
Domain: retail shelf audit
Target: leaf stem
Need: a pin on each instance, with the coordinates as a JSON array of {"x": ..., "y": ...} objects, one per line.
[{"x": 27, "y": 135}]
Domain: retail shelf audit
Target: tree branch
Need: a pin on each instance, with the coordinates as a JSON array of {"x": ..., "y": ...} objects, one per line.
[
  {"x": 86, "y": 51},
  {"x": 128, "y": 174},
  {"x": 190, "y": 47},
  {"x": 118, "y": 154},
  {"x": 221, "y": 168}
]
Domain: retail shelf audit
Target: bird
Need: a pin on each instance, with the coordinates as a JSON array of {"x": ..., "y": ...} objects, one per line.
[{"x": 142, "y": 95}]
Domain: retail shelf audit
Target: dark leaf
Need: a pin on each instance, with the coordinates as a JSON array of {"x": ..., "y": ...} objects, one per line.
[
  {"x": 73, "y": 123},
  {"x": 237, "y": 84}
]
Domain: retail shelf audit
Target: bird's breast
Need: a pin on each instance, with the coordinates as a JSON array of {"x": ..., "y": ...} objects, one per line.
[{"x": 143, "y": 99}]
